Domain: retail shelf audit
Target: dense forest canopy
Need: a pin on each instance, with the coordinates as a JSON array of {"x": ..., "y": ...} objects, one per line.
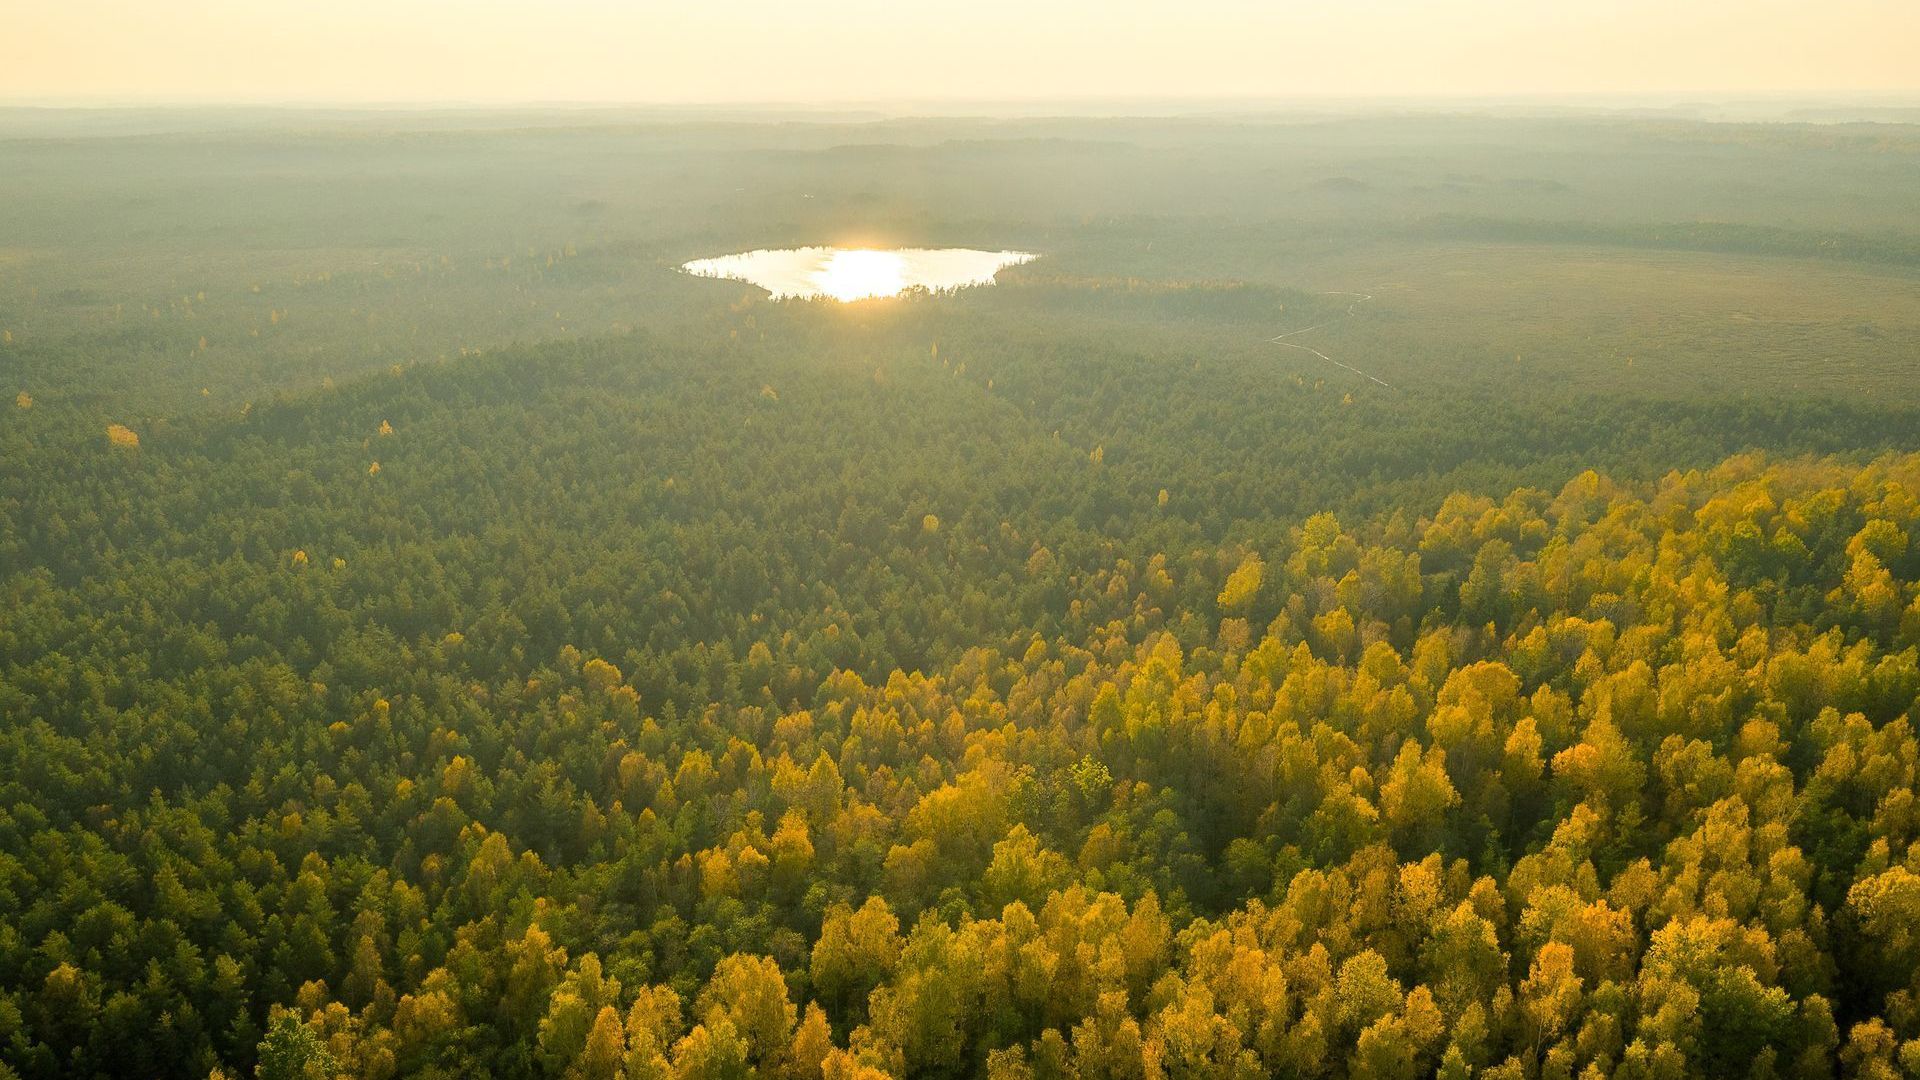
[{"x": 438, "y": 639}]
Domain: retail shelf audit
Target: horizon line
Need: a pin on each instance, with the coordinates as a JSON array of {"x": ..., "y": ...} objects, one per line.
[{"x": 1640, "y": 98}]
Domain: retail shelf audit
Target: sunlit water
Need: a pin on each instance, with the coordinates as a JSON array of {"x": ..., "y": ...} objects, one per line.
[{"x": 859, "y": 273}]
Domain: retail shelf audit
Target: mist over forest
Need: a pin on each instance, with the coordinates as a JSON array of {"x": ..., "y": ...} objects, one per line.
[{"x": 1388, "y": 589}]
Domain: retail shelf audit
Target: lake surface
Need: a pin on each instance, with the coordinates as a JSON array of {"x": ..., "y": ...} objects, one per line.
[{"x": 859, "y": 273}]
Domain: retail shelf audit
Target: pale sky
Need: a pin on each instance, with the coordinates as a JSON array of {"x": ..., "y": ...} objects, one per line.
[{"x": 838, "y": 51}]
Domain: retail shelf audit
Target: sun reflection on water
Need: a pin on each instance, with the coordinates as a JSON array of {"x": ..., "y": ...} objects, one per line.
[
  {"x": 851, "y": 274},
  {"x": 861, "y": 273}
]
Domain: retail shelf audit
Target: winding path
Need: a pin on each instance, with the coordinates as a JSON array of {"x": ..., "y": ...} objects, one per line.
[{"x": 1359, "y": 298}]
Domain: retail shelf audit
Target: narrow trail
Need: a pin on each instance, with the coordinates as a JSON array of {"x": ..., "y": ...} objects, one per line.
[{"x": 1359, "y": 298}]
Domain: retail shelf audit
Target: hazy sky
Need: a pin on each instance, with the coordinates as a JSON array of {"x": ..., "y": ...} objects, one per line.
[{"x": 893, "y": 50}]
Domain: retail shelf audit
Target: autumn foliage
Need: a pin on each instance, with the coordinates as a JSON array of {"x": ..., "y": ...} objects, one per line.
[{"x": 1567, "y": 783}]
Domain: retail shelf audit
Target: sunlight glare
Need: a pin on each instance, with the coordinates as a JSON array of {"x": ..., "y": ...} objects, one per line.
[{"x": 861, "y": 273}]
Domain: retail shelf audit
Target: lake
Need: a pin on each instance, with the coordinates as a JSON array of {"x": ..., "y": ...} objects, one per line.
[{"x": 858, "y": 273}]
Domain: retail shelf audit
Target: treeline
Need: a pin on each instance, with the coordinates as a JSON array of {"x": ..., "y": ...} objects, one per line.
[{"x": 1723, "y": 237}]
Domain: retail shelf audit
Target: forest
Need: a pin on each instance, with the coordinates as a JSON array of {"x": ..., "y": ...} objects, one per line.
[{"x": 438, "y": 639}]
